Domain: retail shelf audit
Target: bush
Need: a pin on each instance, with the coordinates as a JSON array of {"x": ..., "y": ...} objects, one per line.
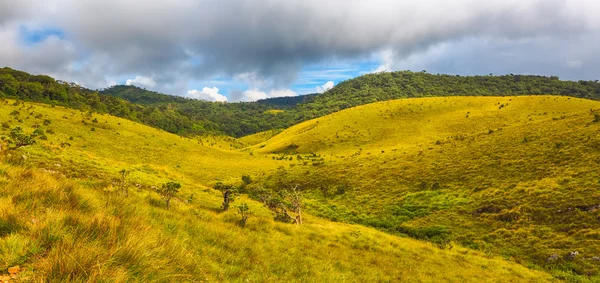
[
  {"x": 39, "y": 133},
  {"x": 438, "y": 235},
  {"x": 168, "y": 191},
  {"x": 17, "y": 138},
  {"x": 244, "y": 212}
]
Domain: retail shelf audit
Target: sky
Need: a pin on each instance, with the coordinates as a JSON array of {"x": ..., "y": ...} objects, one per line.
[{"x": 244, "y": 50}]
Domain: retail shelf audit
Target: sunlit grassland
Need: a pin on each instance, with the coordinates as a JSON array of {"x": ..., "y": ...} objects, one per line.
[
  {"x": 409, "y": 124},
  {"x": 108, "y": 144},
  {"x": 62, "y": 230},
  {"x": 258, "y": 137},
  {"x": 520, "y": 181},
  {"x": 63, "y": 219}
]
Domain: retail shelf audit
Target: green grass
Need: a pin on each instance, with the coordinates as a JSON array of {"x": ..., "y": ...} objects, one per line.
[
  {"x": 518, "y": 181},
  {"x": 63, "y": 218}
]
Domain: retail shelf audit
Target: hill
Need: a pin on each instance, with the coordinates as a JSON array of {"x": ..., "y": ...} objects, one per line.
[
  {"x": 190, "y": 117},
  {"x": 510, "y": 176},
  {"x": 66, "y": 214}
]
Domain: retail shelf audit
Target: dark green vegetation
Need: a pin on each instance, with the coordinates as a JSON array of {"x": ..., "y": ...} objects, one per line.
[{"x": 194, "y": 117}]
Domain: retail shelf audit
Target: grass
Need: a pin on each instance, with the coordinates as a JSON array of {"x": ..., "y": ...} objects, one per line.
[
  {"x": 62, "y": 230},
  {"x": 63, "y": 218},
  {"x": 518, "y": 181}
]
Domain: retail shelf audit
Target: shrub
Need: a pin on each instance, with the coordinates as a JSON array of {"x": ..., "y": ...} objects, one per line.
[
  {"x": 39, "y": 133},
  {"x": 18, "y": 139},
  {"x": 244, "y": 212},
  {"x": 168, "y": 191}
]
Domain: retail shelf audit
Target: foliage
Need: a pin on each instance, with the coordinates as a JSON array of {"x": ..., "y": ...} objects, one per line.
[
  {"x": 168, "y": 191},
  {"x": 17, "y": 138},
  {"x": 244, "y": 212},
  {"x": 229, "y": 193}
]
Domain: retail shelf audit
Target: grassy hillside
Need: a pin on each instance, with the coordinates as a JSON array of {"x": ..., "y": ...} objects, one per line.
[
  {"x": 191, "y": 117},
  {"x": 64, "y": 218},
  {"x": 81, "y": 140},
  {"x": 510, "y": 176},
  {"x": 411, "y": 124}
]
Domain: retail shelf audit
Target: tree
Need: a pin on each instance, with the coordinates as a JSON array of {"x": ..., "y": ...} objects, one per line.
[
  {"x": 287, "y": 206},
  {"x": 295, "y": 198},
  {"x": 228, "y": 192},
  {"x": 244, "y": 212},
  {"x": 168, "y": 191}
]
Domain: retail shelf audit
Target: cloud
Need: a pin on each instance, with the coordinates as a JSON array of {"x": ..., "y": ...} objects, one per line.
[
  {"x": 282, "y": 93},
  {"x": 256, "y": 94},
  {"x": 178, "y": 41},
  {"x": 327, "y": 86},
  {"x": 141, "y": 81},
  {"x": 208, "y": 94}
]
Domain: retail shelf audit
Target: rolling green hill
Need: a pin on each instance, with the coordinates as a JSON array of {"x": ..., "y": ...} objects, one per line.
[
  {"x": 189, "y": 117},
  {"x": 486, "y": 185},
  {"x": 510, "y": 176},
  {"x": 65, "y": 217}
]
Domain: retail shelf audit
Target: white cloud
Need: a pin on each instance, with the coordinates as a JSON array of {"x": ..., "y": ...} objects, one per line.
[
  {"x": 257, "y": 94},
  {"x": 141, "y": 81},
  {"x": 327, "y": 86},
  {"x": 282, "y": 93},
  {"x": 208, "y": 94}
]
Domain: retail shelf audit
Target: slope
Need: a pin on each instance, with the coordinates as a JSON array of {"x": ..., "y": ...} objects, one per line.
[
  {"x": 511, "y": 176},
  {"x": 190, "y": 117},
  {"x": 64, "y": 218}
]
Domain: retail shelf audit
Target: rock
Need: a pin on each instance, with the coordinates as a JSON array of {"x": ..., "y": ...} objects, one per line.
[
  {"x": 57, "y": 165},
  {"x": 596, "y": 258},
  {"x": 572, "y": 255},
  {"x": 552, "y": 258},
  {"x": 24, "y": 157}
]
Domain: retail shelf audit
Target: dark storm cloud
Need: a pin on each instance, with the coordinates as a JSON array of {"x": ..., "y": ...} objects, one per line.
[{"x": 178, "y": 40}]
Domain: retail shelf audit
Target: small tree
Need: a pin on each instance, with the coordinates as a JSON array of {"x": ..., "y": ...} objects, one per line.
[
  {"x": 168, "y": 191},
  {"x": 295, "y": 198},
  {"x": 287, "y": 206},
  {"x": 244, "y": 212},
  {"x": 228, "y": 192}
]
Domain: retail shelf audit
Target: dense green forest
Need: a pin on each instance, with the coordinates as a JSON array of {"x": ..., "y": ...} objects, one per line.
[{"x": 190, "y": 117}]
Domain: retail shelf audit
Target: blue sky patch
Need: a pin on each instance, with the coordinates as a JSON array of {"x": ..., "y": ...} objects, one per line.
[{"x": 32, "y": 36}]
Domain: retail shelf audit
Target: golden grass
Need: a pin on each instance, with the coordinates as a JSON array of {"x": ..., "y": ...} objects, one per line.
[
  {"x": 410, "y": 124},
  {"x": 62, "y": 231},
  {"x": 528, "y": 168},
  {"x": 65, "y": 221}
]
